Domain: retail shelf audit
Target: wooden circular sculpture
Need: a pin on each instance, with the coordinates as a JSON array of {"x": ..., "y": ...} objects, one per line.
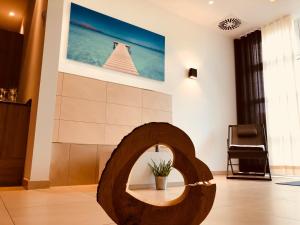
[{"x": 191, "y": 208}]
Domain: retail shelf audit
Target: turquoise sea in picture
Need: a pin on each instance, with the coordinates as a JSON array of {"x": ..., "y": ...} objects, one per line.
[{"x": 102, "y": 41}]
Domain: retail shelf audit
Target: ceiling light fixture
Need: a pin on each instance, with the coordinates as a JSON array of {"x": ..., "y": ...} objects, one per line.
[
  {"x": 211, "y": 2},
  {"x": 11, "y": 13}
]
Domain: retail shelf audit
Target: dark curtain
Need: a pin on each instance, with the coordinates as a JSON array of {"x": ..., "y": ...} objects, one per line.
[
  {"x": 249, "y": 79},
  {"x": 250, "y": 87}
]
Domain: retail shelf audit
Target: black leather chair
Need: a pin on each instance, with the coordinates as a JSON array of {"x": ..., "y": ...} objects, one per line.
[{"x": 248, "y": 142}]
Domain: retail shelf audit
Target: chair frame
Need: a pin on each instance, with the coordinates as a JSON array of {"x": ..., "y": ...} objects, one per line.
[{"x": 248, "y": 154}]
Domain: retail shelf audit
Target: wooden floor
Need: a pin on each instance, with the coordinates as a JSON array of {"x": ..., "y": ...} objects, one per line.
[
  {"x": 121, "y": 60},
  {"x": 237, "y": 203}
]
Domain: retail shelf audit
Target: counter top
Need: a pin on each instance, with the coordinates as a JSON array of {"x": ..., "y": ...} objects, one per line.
[{"x": 16, "y": 103}]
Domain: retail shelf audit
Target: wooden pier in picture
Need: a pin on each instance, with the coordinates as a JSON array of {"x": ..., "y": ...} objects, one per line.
[{"x": 120, "y": 59}]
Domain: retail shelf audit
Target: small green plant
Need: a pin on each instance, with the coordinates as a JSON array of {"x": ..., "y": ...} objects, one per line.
[{"x": 162, "y": 169}]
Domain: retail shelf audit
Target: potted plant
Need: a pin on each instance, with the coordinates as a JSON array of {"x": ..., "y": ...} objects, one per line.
[{"x": 161, "y": 171}]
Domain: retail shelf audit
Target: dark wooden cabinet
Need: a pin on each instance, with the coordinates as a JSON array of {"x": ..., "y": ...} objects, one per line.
[
  {"x": 11, "y": 48},
  {"x": 14, "y": 123}
]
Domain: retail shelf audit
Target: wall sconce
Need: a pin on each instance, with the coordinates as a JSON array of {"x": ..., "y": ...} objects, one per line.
[{"x": 193, "y": 73}]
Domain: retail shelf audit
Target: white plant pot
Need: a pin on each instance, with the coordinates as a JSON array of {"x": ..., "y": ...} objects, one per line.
[{"x": 161, "y": 183}]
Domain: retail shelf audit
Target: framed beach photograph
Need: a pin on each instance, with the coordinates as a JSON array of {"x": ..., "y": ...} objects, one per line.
[{"x": 103, "y": 41}]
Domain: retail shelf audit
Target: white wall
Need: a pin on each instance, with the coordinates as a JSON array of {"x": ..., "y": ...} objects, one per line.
[
  {"x": 204, "y": 107},
  {"x": 40, "y": 165}
]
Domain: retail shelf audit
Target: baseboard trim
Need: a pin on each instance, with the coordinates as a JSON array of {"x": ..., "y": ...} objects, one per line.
[
  {"x": 285, "y": 170},
  {"x": 285, "y": 167},
  {"x": 219, "y": 172},
  {"x": 44, "y": 184},
  {"x": 151, "y": 186},
  {"x": 41, "y": 184},
  {"x": 170, "y": 184}
]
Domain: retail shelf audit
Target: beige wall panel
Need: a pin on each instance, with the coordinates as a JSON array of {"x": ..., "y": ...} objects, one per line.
[
  {"x": 123, "y": 115},
  {"x": 149, "y": 115},
  {"x": 124, "y": 95},
  {"x": 156, "y": 100},
  {"x": 161, "y": 148},
  {"x": 57, "y": 107},
  {"x": 104, "y": 152},
  {"x": 59, "y": 168},
  {"x": 97, "y": 165},
  {"x": 95, "y": 116},
  {"x": 80, "y": 132},
  {"x": 83, "y": 110},
  {"x": 59, "y": 83},
  {"x": 55, "y": 131},
  {"x": 114, "y": 133},
  {"x": 82, "y": 164},
  {"x": 84, "y": 88}
]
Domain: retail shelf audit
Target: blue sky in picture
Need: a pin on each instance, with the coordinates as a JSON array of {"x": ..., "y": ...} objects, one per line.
[{"x": 116, "y": 28}]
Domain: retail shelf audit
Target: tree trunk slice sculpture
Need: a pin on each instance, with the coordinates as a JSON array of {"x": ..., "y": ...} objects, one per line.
[{"x": 191, "y": 208}]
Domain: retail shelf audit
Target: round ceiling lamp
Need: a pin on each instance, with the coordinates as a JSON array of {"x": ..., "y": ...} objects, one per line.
[
  {"x": 230, "y": 24},
  {"x": 11, "y": 14}
]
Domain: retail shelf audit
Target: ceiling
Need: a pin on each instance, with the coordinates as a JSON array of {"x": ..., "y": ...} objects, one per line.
[
  {"x": 253, "y": 13},
  {"x": 18, "y": 7}
]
